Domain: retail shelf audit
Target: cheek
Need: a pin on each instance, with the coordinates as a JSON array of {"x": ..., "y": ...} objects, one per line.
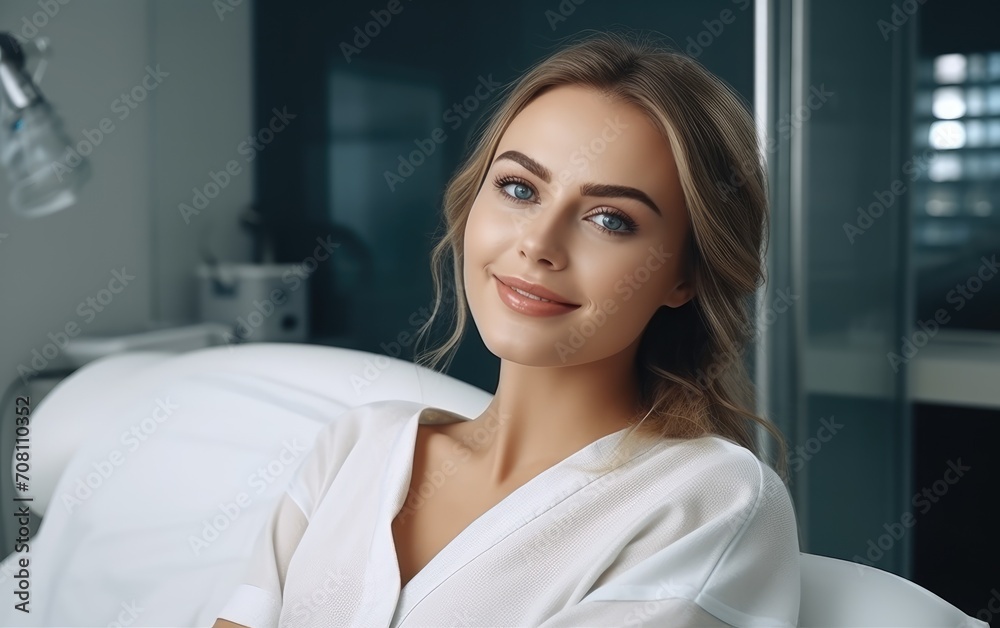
[
  {"x": 606, "y": 271},
  {"x": 487, "y": 231},
  {"x": 627, "y": 280},
  {"x": 481, "y": 247}
]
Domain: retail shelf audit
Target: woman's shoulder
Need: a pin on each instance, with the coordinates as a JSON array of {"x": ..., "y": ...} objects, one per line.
[
  {"x": 357, "y": 433},
  {"x": 368, "y": 419},
  {"x": 721, "y": 475},
  {"x": 721, "y": 532},
  {"x": 715, "y": 457},
  {"x": 374, "y": 423},
  {"x": 383, "y": 411}
]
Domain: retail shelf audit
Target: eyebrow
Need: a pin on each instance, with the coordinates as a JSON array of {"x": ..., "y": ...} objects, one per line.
[{"x": 587, "y": 189}]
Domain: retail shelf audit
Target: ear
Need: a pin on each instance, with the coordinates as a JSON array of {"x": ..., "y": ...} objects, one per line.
[{"x": 681, "y": 294}]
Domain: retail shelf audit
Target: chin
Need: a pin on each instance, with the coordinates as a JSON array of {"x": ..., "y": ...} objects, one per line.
[{"x": 522, "y": 350}]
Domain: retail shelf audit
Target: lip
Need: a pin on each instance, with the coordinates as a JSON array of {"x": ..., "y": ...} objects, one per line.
[
  {"x": 527, "y": 305},
  {"x": 534, "y": 289}
]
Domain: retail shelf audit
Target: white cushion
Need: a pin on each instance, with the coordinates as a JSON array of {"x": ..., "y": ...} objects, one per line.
[{"x": 168, "y": 466}]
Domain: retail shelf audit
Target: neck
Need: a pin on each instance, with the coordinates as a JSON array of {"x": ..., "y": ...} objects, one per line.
[{"x": 542, "y": 415}]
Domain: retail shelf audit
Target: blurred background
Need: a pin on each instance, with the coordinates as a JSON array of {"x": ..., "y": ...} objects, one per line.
[{"x": 220, "y": 151}]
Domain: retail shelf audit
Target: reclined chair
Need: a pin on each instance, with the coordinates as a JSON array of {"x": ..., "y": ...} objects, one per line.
[{"x": 134, "y": 457}]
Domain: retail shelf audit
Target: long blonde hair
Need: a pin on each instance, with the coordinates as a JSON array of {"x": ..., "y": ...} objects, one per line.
[{"x": 692, "y": 378}]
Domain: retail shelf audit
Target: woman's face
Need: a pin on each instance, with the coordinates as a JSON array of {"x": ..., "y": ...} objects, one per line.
[{"x": 583, "y": 199}]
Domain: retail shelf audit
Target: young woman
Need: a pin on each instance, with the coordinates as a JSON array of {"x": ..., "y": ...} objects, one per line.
[{"x": 606, "y": 233}]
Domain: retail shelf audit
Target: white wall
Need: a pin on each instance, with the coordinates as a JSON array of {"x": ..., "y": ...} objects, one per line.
[{"x": 128, "y": 216}]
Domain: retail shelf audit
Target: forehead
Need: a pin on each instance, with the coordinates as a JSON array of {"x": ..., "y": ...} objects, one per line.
[{"x": 582, "y": 135}]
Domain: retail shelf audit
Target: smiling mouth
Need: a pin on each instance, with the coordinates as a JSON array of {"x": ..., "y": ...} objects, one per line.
[
  {"x": 532, "y": 291},
  {"x": 529, "y": 304}
]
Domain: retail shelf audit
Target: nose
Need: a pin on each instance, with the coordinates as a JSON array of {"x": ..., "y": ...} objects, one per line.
[{"x": 542, "y": 236}]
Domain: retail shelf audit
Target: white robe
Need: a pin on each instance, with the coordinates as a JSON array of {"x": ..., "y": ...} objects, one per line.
[{"x": 693, "y": 532}]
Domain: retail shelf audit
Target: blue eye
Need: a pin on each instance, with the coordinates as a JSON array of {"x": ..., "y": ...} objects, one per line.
[
  {"x": 521, "y": 193},
  {"x": 613, "y": 221}
]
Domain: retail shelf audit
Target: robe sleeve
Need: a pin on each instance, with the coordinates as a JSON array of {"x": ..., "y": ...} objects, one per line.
[
  {"x": 738, "y": 567},
  {"x": 673, "y": 612},
  {"x": 256, "y": 602}
]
